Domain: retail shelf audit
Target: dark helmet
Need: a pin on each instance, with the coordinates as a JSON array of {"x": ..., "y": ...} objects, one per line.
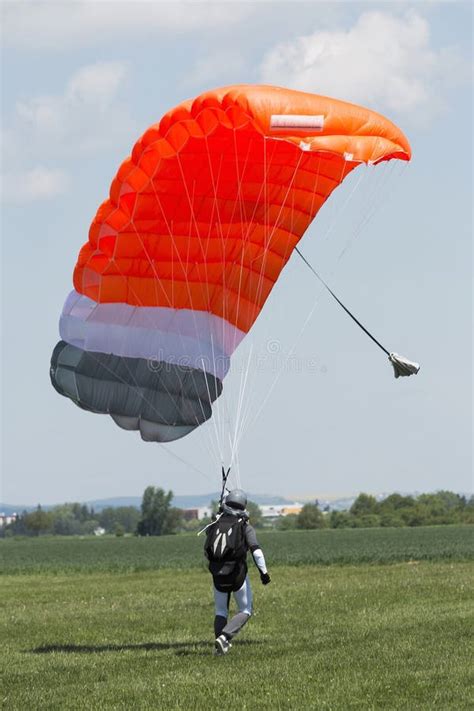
[{"x": 236, "y": 499}]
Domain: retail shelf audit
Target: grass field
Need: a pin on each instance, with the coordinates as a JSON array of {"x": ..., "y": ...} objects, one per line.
[
  {"x": 340, "y": 546},
  {"x": 346, "y": 636}
]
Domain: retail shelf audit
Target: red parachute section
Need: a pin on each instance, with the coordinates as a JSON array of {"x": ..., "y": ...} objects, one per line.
[{"x": 206, "y": 211}]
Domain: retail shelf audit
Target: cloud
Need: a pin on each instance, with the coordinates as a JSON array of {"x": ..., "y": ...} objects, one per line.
[
  {"x": 39, "y": 183},
  {"x": 47, "y": 130},
  {"x": 86, "y": 116},
  {"x": 64, "y": 25},
  {"x": 383, "y": 61}
]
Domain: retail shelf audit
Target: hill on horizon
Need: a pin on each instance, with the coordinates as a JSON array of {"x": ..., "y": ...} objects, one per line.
[
  {"x": 184, "y": 501},
  {"x": 189, "y": 501}
]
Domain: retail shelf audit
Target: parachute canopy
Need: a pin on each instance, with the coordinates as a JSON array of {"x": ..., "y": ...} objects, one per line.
[{"x": 200, "y": 221}]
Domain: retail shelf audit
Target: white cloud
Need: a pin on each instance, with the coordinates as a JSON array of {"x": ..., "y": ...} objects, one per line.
[
  {"x": 39, "y": 183},
  {"x": 65, "y": 25},
  {"x": 96, "y": 84},
  {"x": 86, "y": 117},
  {"x": 383, "y": 61}
]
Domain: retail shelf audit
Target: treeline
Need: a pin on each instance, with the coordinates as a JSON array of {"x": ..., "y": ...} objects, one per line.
[
  {"x": 157, "y": 516},
  {"x": 74, "y": 519},
  {"x": 443, "y": 507}
]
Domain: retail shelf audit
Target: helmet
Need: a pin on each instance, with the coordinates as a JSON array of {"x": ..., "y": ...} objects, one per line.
[{"x": 236, "y": 499}]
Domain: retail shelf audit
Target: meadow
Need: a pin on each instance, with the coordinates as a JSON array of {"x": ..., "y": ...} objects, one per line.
[
  {"x": 318, "y": 547},
  {"x": 374, "y": 619}
]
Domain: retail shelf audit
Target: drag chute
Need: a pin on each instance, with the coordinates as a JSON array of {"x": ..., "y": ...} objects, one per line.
[{"x": 200, "y": 221}]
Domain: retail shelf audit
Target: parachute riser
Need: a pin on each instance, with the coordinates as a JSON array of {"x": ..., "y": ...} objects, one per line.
[{"x": 225, "y": 476}]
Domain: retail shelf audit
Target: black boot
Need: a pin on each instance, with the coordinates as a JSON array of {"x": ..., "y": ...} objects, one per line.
[{"x": 219, "y": 624}]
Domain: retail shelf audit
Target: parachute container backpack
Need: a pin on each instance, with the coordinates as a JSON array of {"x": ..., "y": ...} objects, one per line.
[
  {"x": 225, "y": 550},
  {"x": 200, "y": 220}
]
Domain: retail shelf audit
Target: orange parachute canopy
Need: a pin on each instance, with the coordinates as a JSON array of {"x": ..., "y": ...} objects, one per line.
[
  {"x": 201, "y": 219},
  {"x": 206, "y": 211}
]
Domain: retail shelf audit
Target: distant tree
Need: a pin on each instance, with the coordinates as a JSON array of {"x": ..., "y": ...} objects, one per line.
[
  {"x": 107, "y": 518},
  {"x": 451, "y": 501},
  {"x": 80, "y": 511},
  {"x": 340, "y": 519},
  {"x": 194, "y": 524},
  {"x": 154, "y": 507},
  {"x": 72, "y": 519},
  {"x": 418, "y": 515},
  {"x": 174, "y": 521},
  {"x": 158, "y": 517},
  {"x": 89, "y": 526},
  {"x": 287, "y": 523},
  {"x": 255, "y": 515},
  {"x": 38, "y": 521},
  {"x": 85, "y": 513},
  {"x": 467, "y": 515},
  {"x": 395, "y": 502},
  {"x": 311, "y": 516},
  {"x": 366, "y": 521},
  {"x": 364, "y": 504},
  {"x": 443, "y": 506},
  {"x": 64, "y": 524},
  {"x": 125, "y": 516},
  {"x": 119, "y": 529},
  {"x": 391, "y": 519},
  {"x": 434, "y": 505},
  {"x": 128, "y": 517}
]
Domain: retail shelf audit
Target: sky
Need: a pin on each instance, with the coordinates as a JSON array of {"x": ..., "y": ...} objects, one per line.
[{"x": 322, "y": 412}]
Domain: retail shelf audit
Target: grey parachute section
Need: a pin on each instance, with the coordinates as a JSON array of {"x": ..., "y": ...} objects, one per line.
[{"x": 163, "y": 401}]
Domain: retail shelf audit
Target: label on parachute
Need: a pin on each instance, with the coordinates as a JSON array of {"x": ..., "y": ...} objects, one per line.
[{"x": 299, "y": 122}]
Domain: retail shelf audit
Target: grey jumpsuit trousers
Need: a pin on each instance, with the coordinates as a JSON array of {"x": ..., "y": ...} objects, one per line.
[{"x": 242, "y": 596}]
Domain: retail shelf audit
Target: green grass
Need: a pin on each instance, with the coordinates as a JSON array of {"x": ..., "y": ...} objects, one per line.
[
  {"x": 344, "y": 546},
  {"x": 337, "y": 638},
  {"x": 120, "y": 623}
]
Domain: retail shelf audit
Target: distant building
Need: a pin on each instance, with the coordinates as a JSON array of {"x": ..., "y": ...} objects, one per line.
[
  {"x": 197, "y": 514},
  {"x": 277, "y": 510},
  {"x": 292, "y": 509},
  {"x": 269, "y": 512},
  {"x": 6, "y": 519}
]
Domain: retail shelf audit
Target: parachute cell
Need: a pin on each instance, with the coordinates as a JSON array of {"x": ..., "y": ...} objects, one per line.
[{"x": 200, "y": 221}]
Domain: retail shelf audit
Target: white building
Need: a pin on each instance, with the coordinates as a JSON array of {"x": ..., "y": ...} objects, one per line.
[{"x": 6, "y": 519}]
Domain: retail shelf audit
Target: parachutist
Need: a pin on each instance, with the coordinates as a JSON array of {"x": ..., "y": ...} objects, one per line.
[{"x": 228, "y": 540}]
